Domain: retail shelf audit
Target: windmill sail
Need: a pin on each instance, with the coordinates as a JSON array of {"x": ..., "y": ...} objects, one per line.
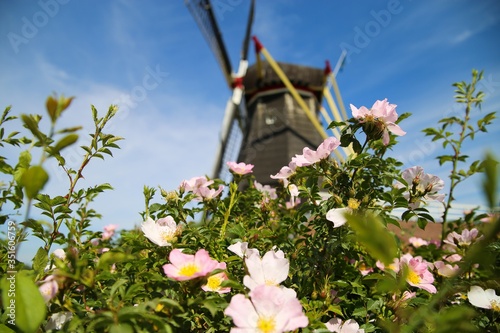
[
  {"x": 234, "y": 120},
  {"x": 204, "y": 16}
]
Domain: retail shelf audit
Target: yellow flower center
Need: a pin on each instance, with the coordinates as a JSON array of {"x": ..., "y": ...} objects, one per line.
[
  {"x": 270, "y": 282},
  {"x": 413, "y": 277},
  {"x": 189, "y": 270},
  {"x": 266, "y": 325},
  {"x": 213, "y": 282},
  {"x": 495, "y": 306},
  {"x": 392, "y": 267},
  {"x": 353, "y": 203},
  {"x": 167, "y": 236}
]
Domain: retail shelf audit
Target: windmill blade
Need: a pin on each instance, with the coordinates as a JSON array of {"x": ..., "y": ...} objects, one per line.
[
  {"x": 203, "y": 14},
  {"x": 238, "y": 88},
  {"x": 242, "y": 68},
  {"x": 238, "y": 82},
  {"x": 230, "y": 141},
  {"x": 234, "y": 121},
  {"x": 248, "y": 32}
]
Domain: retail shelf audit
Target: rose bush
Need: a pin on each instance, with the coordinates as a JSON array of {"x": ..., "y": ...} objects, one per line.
[{"x": 314, "y": 255}]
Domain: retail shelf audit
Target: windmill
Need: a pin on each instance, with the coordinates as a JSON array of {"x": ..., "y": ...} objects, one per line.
[{"x": 274, "y": 109}]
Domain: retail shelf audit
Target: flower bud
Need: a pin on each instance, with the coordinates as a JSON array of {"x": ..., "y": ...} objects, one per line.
[{"x": 373, "y": 128}]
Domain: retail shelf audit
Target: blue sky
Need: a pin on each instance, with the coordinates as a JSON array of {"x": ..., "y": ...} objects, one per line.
[{"x": 103, "y": 52}]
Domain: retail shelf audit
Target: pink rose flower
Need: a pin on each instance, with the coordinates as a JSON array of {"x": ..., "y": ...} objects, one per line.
[
  {"x": 49, "y": 288},
  {"x": 187, "y": 266},
  {"x": 418, "y": 273},
  {"x": 240, "y": 168},
  {"x": 379, "y": 120},
  {"x": 109, "y": 231},
  {"x": 421, "y": 186}
]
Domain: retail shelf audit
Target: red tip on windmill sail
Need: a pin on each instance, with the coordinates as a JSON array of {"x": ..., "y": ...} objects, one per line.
[
  {"x": 328, "y": 68},
  {"x": 257, "y": 43}
]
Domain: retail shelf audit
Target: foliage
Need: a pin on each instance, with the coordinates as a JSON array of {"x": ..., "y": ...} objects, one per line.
[{"x": 354, "y": 268}]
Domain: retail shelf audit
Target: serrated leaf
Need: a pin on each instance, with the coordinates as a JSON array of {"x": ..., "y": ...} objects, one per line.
[
  {"x": 335, "y": 309},
  {"x": 40, "y": 260}
]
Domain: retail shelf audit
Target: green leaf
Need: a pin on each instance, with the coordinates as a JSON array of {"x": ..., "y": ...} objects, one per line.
[
  {"x": 22, "y": 165},
  {"x": 64, "y": 142},
  {"x": 117, "y": 285},
  {"x": 40, "y": 260},
  {"x": 455, "y": 319},
  {"x": 5, "y": 329},
  {"x": 30, "y": 308},
  {"x": 336, "y": 124},
  {"x": 112, "y": 257},
  {"x": 422, "y": 223},
  {"x": 335, "y": 309},
  {"x": 121, "y": 328},
  {"x": 213, "y": 305},
  {"x": 33, "y": 180},
  {"x": 346, "y": 139},
  {"x": 444, "y": 158},
  {"x": 490, "y": 182},
  {"x": 31, "y": 123},
  {"x": 366, "y": 226},
  {"x": 359, "y": 312}
]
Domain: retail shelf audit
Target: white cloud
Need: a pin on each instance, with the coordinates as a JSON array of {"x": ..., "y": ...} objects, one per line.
[{"x": 167, "y": 140}]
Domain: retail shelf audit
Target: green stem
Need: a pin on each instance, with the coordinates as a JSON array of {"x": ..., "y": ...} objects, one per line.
[
  {"x": 454, "y": 175},
  {"x": 356, "y": 170},
  {"x": 233, "y": 189}
]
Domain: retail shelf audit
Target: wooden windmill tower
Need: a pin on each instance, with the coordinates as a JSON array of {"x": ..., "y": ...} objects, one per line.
[{"x": 274, "y": 111}]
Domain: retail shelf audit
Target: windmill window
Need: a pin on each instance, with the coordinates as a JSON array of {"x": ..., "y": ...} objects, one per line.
[{"x": 270, "y": 120}]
